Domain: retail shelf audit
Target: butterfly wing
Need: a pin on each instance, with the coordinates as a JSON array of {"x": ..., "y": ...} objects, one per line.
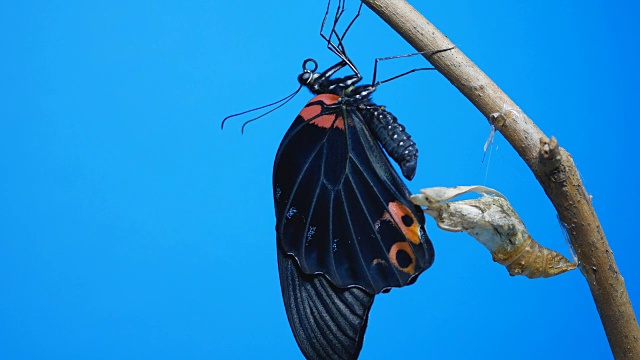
[
  {"x": 327, "y": 322},
  {"x": 346, "y": 229},
  {"x": 341, "y": 208}
]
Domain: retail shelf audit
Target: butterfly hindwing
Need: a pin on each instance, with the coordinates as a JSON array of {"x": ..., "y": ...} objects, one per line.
[{"x": 327, "y": 322}]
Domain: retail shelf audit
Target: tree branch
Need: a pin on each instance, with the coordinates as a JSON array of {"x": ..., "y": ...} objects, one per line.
[{"x": 552, "y": 165}]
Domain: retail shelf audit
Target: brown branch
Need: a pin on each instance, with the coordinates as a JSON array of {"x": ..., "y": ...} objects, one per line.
[{"x": 552, "y": 165}]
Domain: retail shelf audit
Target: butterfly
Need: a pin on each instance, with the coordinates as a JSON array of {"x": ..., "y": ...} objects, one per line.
[{"x": 346, "y": 228}]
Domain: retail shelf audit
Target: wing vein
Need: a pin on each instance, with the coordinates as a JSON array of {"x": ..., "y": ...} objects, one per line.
[
  {"x": 321, "y": 145},
  {"x": 353, "y": 236},
  {"x": 369, "y": 217},
  {"x": 384, "y": 204}
]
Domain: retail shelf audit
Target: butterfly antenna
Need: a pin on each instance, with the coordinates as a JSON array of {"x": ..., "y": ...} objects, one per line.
[{"x": 285, "y": 99}]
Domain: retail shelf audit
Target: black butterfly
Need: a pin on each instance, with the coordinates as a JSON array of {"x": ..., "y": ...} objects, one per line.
[{"x": 346, "y": 229}]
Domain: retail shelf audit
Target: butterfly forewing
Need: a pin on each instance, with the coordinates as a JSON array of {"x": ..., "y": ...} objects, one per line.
[{"x": 341, "y": 209}]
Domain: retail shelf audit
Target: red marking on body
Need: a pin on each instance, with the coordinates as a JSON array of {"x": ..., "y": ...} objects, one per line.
[{"x": 393, "y": 253}]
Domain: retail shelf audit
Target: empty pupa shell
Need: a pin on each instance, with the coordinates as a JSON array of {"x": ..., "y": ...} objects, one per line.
[{"x": 492, "y": 221}]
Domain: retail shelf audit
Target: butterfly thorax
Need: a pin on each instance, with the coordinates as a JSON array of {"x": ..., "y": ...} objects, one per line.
[{"x": 350, "y": 94}]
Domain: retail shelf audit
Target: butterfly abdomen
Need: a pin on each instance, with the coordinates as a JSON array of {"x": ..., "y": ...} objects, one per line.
[{"x": 393, "y": 137}]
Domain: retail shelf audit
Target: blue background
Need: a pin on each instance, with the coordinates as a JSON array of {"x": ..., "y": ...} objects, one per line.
[{"x": 133, "y": 227}]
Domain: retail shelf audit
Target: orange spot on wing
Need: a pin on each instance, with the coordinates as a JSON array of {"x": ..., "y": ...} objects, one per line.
[
  {"x": 328, "y": 99},
  {"x": 393, "y": 253},
  {"x": 327, "y": 121},
  {"x": 312, "y": 112},
  {"x": 379, "y": 261},
  {"x": 384, "y": 217},
  {"x": 398, "y": 211}
]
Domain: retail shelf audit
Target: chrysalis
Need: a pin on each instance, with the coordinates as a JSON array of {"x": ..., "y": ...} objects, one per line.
[{"x": 492, "y": 221}]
